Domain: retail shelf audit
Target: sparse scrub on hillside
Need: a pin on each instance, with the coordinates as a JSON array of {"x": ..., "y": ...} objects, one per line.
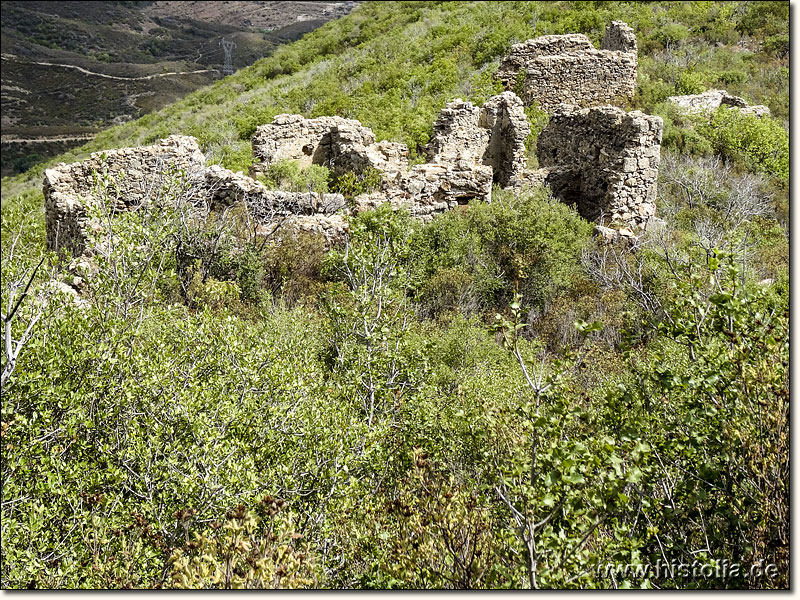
[{"x": 492, "y": 399}]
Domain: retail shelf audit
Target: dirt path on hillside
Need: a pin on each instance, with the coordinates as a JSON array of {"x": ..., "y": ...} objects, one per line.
[
  {"x": 16, "y": 139},
  {"x": 13, "y": 58}
]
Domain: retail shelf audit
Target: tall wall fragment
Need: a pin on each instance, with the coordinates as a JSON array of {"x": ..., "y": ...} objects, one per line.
[
  {"x": 556, "y": 69},
  {"x": 504, "y": 117},
  {"x": 603, "y": 160},
  {"x": 492, "y": 135}
]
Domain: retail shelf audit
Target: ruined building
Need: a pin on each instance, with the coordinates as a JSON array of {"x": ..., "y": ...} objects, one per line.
[
  {"x": 135, "y": 175},
  {"x": 556, "y": 69},
  {"x": 602, "y": 159},
  {"x": 472, "y": 148},
  {"x": 138, "y": 175},
  {"x": 713, "y": 99}
]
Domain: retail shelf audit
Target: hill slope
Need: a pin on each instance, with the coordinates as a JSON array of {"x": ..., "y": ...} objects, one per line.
[
  {"x": 393, "y": 67},
  {"x": 71, "y": 67},
  {"x": 494, "y": 399}
]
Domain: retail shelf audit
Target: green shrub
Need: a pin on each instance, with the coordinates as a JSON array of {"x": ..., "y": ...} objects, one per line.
[
  {"x": 293, "y": 269},
  {"x": 731, "y": 77},
  {"x": 762, "y": 144},
  {"x": 776, "y": 45},
  {"x": 288, "y": 175},
  {"x": 449, "y": 290},
  {"x": 238, "y": 159},
  {"x": 763, "y": 18},
  {"x": 689, "y": 83},
  {"x": 672, "y": 34},
  {"x": 527, "y": 242},
  {"x": 351, "y": 184}
]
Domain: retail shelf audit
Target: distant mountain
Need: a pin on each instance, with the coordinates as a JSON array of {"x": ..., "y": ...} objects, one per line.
[{"x": 71, "y": 69}]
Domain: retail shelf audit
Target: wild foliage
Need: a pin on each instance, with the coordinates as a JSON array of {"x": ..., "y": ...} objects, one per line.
[{"x": 493, "y": 399}]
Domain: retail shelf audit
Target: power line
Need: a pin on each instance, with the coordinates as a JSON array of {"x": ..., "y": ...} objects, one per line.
[{"x": 228, "y": 46}]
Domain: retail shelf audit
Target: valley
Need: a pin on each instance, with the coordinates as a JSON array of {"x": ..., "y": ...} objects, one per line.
[{"x": 71, "y": 69}]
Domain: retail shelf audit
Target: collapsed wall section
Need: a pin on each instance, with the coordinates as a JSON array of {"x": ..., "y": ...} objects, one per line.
[
  {"x": 472, "y": 147},
  {"x": 604, "y": 161},
  {"x": 137, "y": 175},
  {"x": 713, "y": 99},
  {"x": 308, "y": 141},
  {"x": 601, "y": 159},
  {"x": 504, "y": 116},
  {"x": 556, "y": 69},
  {"x": 140, "y": 175}
]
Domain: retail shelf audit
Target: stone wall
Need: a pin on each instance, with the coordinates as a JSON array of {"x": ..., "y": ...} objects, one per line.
[
  {"x": 472, "y": 147},
  {"x": 713, "y": 99},
  {"x": 556, "y": 69},
  {"x": 308, "y": 141},
  {"x": 138, "y": 175},
  {"x": 504, "y": 117},
  {"x": 603, "y": 160}
]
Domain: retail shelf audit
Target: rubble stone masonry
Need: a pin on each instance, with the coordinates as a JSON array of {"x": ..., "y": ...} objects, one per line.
[
  {"x": 603, "y": 160},
  {"x": 556, "y": 69}
]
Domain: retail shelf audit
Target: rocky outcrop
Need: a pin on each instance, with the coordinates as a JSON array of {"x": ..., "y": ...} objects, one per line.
[
  {"x": 603, "y": 160},
  {"x": 556, "y": 69},
  {"x": 713, "y": 99},
  {"x": 136, "y": 175}
]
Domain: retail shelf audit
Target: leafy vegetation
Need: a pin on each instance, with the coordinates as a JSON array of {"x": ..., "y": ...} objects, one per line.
[{"x": 492, "y": 399}]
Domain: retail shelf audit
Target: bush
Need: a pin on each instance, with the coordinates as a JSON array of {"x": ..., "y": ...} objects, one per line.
[
  {"x": 293, "y": 269},
  {"x": 689, "y": 83},
  {"x": 527, "y": 243},
  {"x": 672, "y": 34},
  {"x": 351, "y": 184},
  {"x": 449, "y": 290},
  {"x": 762, "y": 144},
  {"x": 776, "y": 45},
  {"x": 288, "y": 175}
]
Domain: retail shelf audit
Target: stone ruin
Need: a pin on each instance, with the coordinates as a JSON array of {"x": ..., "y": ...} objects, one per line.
[
  {"x": 555, "y": 69},
  {"x": 603, "y": 160},
  {"x": 472, "y": 148},
  {"x": 713, "y": 99},
  {"x": 139, "y": 175}
]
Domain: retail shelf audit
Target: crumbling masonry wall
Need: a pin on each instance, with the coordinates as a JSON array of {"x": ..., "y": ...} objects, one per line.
[
  {"x": 713, "y": 99},
  {"x": 556, "y": 69},
  {"x": 137, "y": 174},
  {"x": 343, "y": 144},
  {"x": 471, "y": 149},
  {"x": 603, "y": 160}
]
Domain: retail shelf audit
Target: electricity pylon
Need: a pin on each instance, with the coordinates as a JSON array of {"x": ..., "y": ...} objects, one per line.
[{"x": 228, "y": 47}]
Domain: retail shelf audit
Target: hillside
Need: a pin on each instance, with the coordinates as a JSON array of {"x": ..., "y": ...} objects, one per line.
[
  {"x": 498, "y": 396},
  {"x": 72, "y": 69}
]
